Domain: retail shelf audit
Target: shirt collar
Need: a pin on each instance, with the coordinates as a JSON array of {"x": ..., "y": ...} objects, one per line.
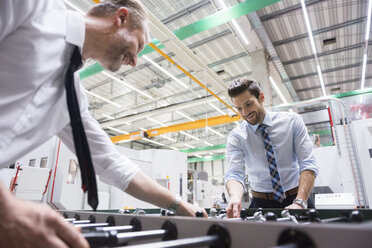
[
  {"x": 75, "y": 33},
  {"x": 267, "y": 121}
]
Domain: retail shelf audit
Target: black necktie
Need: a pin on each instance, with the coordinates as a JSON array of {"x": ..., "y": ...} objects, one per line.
[{"x": 88, "y": 177}]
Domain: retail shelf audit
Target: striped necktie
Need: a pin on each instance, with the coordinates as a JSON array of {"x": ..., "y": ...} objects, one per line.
[
  {"x": 88, "y": 177},
  {"x": 275, "y": 179}
]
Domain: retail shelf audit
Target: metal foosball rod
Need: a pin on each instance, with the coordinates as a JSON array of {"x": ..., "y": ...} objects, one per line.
[
  {"x": 115, "y": 238},
  {"x": 217, "y": 237},
  {"x": 90, "y": 225},
  {"x": 257, "y": 216},
  {"x": 76, "y": 222},
  {"x": 354, "y": 216},
  {"x": 187, "y": 242}
]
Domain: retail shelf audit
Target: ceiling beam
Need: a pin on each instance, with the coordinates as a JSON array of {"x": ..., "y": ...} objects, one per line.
[
  {"x": 320, "y": 31},
  {"x": 334, "y": 84},
  {"x": 191, "y": 46},
  {"x": 326, "y": 53},
  {"x": 161, "y": 58},
  {"x": 186, "y": 11},
  {"x": 287, "y": 10},
  {"x": 162, "y": 110},
  {"x": 330, "y": 70}
]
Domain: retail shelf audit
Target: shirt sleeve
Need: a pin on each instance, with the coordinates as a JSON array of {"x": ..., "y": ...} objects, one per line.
[
  {"x": 112, "y": 167},
  {"x": 235, "y": 161},
  {"x": 303, "y": 147},
  {"x": 13, "y": 14}
]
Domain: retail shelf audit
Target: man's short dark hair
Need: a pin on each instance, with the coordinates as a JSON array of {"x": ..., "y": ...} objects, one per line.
[
  {"x": 238, "y": 86},
  {"x": 107, "y": 7}
]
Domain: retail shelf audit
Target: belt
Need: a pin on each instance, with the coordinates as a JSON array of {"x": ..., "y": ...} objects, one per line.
[{"x": 270, "y": 196}]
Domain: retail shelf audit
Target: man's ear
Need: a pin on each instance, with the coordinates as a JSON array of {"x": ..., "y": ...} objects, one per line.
[
  {"x": 121, "y": 17},
  {"x": 262, "y": 97}
]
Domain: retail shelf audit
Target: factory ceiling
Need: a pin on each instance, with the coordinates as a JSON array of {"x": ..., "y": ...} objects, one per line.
[{"x": 157, "y": 94}]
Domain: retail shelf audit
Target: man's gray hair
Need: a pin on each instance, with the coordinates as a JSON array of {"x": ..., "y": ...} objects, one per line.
[{"x": 137, "y": 14}]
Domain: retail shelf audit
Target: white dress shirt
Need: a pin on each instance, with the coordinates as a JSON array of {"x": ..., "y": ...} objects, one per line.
[
  {"x": 292, "y": 146},
  {"x": 36, "y": 42}
]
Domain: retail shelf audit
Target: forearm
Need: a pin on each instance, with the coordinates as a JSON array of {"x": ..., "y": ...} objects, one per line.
[
  {"x": 144, "y": 188},
  {"x": 235, "y": 189},
  {"x": 5, "y": 198},
  {"x": 307, "y": 178}
]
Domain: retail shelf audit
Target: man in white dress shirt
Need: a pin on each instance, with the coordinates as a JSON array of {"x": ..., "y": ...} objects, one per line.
[
  {"x": 273, "y": 148},
  {"x": 37, "y": 38}
]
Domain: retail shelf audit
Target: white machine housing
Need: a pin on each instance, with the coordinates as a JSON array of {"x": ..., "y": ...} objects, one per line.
[{"x": 53, "y": 166}]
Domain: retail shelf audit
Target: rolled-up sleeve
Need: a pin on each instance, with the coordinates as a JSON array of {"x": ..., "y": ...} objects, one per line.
[
  {"x": 235, "y": 160},
  {"x": 112, "y": 167},
  {"x": 303, "y": 146}
]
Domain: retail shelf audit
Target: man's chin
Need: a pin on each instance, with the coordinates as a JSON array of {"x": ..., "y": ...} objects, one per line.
[
  {"x": 252, "y": 122},
  {"x": 111, "y": 67}
]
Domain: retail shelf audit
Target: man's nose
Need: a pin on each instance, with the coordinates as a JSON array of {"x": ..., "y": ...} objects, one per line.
[
  {"x": 134, "y": 62},
  {"x": 245, "y": 111}
]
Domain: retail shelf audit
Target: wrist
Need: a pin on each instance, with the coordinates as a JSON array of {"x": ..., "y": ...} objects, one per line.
[
  {"x": 176, "y": 204},
  {"x": 300, "y": 202}
]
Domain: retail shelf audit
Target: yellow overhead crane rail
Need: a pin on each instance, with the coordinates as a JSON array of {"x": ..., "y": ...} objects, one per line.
[
  {"x": 212, "y": 121},
  {"x": 153, "y": 46}
]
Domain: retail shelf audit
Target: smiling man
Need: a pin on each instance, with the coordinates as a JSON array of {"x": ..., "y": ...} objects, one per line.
[
  {"x": 42, "y": 44},
  {"x": 273, "y": 148}
]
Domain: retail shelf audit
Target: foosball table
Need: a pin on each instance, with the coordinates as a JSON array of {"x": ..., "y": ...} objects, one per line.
[{"x": 255, "y": 228}]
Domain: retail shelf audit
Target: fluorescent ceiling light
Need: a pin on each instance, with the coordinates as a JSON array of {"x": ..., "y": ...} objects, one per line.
[
  {"x": 74, "y": 7},
  {"x": 165, "y": 71},
  {"x": 151, "y": 141},
  {"x": 126, "y": 84},
  {"x": 189, "y": 146},
  {"x": 173, "y": 148},
  {"x": 364, "y": 71},
  {"x": 240, "y": 32},
  {"x": 156, "y": 121},
  {"x": 214, "y": 131},
  {"x": 143, "y": 129},
  {"x": 108, "y": 117},
  {"x": 368, "y": 30},
  {"x": 219, "y": 110},
  {"x": 117, "y": 130},
  {"x": 184, "y": 115},
  {"x": 191, "y": 136},
  {"x": 321, "y": 80},
  {"x": 103, "y": 99},
  {"x": 308, "y": 27},
  {"x": 277, "y": 90},
  {"x": 123, "y": 141},
  {"x": 198, "y": 156},
  {"x": 368, "y": 20},
  {"x": 205, "y": 142}
]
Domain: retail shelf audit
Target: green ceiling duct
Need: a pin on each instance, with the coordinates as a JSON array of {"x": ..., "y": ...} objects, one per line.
[
  {"x": 221, "y": 17},
  {"x": 205, "y": 148},
  {"x": 206, "y": 158},
  {"x": 354, "y": 93},
  {"x": 90, "y": 71},
  {"x": 202, "y": 25}
]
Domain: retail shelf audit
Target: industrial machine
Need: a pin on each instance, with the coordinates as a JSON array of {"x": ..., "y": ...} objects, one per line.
[{"x": 51, "y": 174}]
